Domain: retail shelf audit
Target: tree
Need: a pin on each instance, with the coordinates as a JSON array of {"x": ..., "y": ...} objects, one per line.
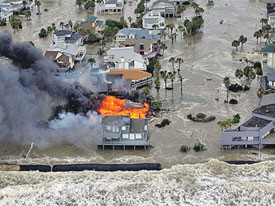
[
  {"x": 242, "y": 40},
  {"x": 194, "y": 5},
  {"x": 123, "y": 22},
  {"x": 263, "y": 21},
  {"x": 236, "y": 43},
  {"x": 90, "y": 4},
  {"x": 180, "y": 79},
  {"x": 266, "y": 28},
  {"x": 79, "y": 3},
  {"x": 172, "y": 78},
  {"x": 24, "y": 4},
  {"x": 38, "y": 4},
  {"x": 226, "y": 82},
  {"x": 173, "y": 37},
  {"x": 163, "y": 47},
  {"x": 70, "y": 23},
  {"x": 130, "y": 19},
  {"x": 28, "y": 14},
  {"x": 181, "y": 8},
  {"x": 91, "y": 61},
  {"x": 164, "y": 76},
  {"x": 239, "y": 74},
  {"x": 110, "y": 32},
  {"x": 157, "y": 83},
  {"x": 163, "y": 34},
  {"x": 172, "y": 60},
  {"x": 61, "y": 24},
  {"x": 179, "y": 60},
  {"x": 43, "y": 33},
  {"x": 53, "y": 26},
  {"x": 171, "y": 27},
  {"x": 76, "y": 27},
  {"x": 140, "y": 7},
  {"x": 257, "y": 35},
  {"x": 100, "y": 52},
  {"x": 247, "y": 70},
  {"x": 15, "y": 23},
  {"x": 49, "y": 29},
  {"x": 155, "y": 26}
]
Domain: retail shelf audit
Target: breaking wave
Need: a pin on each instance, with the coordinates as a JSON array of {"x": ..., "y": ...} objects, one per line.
[{"x": 211, "y": 183}]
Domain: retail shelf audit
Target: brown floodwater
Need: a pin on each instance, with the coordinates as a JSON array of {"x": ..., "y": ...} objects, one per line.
[{"x": 208, "y": 58}]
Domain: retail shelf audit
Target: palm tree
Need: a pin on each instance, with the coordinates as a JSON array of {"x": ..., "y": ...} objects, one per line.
[
  {"x": 100, "y": 52},
  {"x": 76, "y": 27},
  {"x": 172, "y": 78},
  {"x": 179, "y": 60},
  {"x": 163, "y": 34},
  {"x": 180, "y": 79},
  {"x": 38, "y": 4},
  {"x": 91, "y": 61},
  {"x": 194, "y": 5},
  {"x": 173, "y": 37},
  {"x": 242, "y": 40},
  {"x": 49, "y": 29},
  {"x": 239, "y": 74},
  {"x": 236, "y": 43},
  {"x": 263, "y": 21},
  {"x": 28, "y": 14},
  {"x": 172, "y": 60},
  {"x": 257, "y": 35},
  {"x": 226, "y": 82},
  {"x": 181, "y": 8},
  {"x": 61, "y": 24},
  {"x": 79, "y": 3},
  {"x": 24, "y": 3},
  {"x": 164, "y": 76},
  {"x": 102, "y": 43},
  {"x": 222, "y": 124},
  {"x": 53, "y": 27},
  {"x": 163, "y": 47},
  {"x": 155, "y": 26},
  {"x": 70, "y": 23},
  {"x": 157, "y": 83},
  {"x": 130, "y": 19},
  {"x": 171, "y": 27}
]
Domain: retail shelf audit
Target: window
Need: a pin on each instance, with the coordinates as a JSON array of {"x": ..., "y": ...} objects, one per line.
[
  {"x": 132, "y": 136},
  {"x": 145, "y": 127},
  {"x": 270, "y": 83},
  {"x": 138, "y": 136},
  {"x": 123, "y": 128},
  {"x": 117, "y": 129},
  {"x": 125, "y": 136},
  {"x": 265, "y": 55},
  {"x": 109, "y": 128}
]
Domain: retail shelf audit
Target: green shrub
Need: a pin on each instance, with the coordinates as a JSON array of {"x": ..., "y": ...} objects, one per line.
[
  {"x": 236, "y": 119},
  {"x": 184, "y": 148},
  {"x": 199, "y": 147},
  {"x": 201, "y": 115},
  {"x": 156, "y": 105},
  {"x": 163, "y": 123}
]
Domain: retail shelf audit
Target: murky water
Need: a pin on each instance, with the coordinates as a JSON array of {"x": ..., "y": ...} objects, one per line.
[{"x": 207, "y": 60}]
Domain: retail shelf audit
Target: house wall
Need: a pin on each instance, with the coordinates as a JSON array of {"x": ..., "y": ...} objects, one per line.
[
  {"x": 271, "y": 21},
  {"x": 228, "y": 135}
]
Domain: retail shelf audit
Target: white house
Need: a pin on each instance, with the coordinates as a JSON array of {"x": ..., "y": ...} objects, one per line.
[
  {"x": 5, "y": 12},
  {"x": 271, "y": 19},
  {"x": 134, "y": 33},
  {"x": 125, "y": 58},
  {"x": 153, "y": 18},
  {"x": 111, "y": 6},
  {"x": 68, "y": 37}
]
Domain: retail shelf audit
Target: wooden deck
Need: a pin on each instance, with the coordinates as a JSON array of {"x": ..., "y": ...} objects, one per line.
[{"x": 124, "y": 145}]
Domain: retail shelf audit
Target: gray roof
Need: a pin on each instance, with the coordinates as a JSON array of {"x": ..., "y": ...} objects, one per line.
[
  {"x": 163, "y": 1},
  {"x": 271, "y": 77},
  {"x": 139, "y": 33},
  {"x": 74, "y": 37},
  {"x": 137, "y": 125},
  {"x": 256, "y": 122},
  {"x": 126, "y": 52},
  {"x": 269, "y": 48},
  {"x": 150, "y": 20},
  {"x": 268, "y": 111},
  {"x": 115, "y": 120},
  {"x": 267, "y": 100},
  {"x": 111, "y": 2},
  {"x": 62, "y": 32}
]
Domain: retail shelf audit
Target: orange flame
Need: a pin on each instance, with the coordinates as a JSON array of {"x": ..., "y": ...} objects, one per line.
[{"x": 115, "y": 106}]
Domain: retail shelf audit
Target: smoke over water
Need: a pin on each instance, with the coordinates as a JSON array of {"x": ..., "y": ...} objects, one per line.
[
  {"x": 206, "y": 184},
  {"x": 28, "y": 89}
]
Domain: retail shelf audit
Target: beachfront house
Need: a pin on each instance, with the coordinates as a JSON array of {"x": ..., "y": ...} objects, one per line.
[
  {"x": 124, "y": 132},
  {"x": 63, "y": 61},
  {"x": 111, "y": 6},
  {"x": 268, "y": 66},
  {"x": 153, "y": 20},
  {"x": 92, "y": 24},
  {"x": 67, "y": 37},
  {"x": 134, "y": 33},
  {"x": 257, "y": 131},
  {"x": 5, "y": 12},
  {"x": 165, "y": 7},
  {"x": 125, "y": 58}
]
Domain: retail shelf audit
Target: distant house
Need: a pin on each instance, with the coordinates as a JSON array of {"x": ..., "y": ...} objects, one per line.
[
  {"x": 123, "y": 132},
  {"x": 153, "y": 18},
  {"x": 271, "y": 19},
  {"x": 258, "y": 131},
  {"x": 148, "y": 48},
  {"x": 268, "y": 66},
  {"x": 138, "y": 78},
  {"x": 63, "y": 61},
  {"x": 165, "y": 7},
  {"x": 134, "y": 33},
  {"x": 67, "y": 37},
  {"x": 180, "y": 1},
  {"x": 5, "y": 12},
  {"x": 93, "y": 25},
  {"x": 111, "y": 6},
  {"x": 270, "y": 6},
  {"x": 125, "y": 58}
]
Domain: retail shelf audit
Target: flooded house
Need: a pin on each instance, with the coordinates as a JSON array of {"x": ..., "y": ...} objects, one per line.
[
  {"x": 165, "y": 7},
  {"x": 111, "y": 6},
  {"x": 153, "y": 20},
  {"x": 124, "y": 132},
  {"x": 258, "y": 131},
  {"x": 268, "y": 66},
  {"x": 134, "y": 33}
]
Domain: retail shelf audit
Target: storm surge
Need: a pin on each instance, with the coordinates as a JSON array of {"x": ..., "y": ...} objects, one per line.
[{"x": 211, "y": 183}]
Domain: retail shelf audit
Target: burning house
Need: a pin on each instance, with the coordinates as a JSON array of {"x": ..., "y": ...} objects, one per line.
[{"x": 124, "y": 124}]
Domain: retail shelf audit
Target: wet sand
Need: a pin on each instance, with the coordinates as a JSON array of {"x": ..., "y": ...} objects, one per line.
[{"x": 207, "y": 60}]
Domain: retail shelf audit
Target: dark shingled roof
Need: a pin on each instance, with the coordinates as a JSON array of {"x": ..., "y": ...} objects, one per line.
[
  {"x": 256, "y": 122},
  {"x": 74, "y": 37},
  {"x": 62, "y": 32},
  {"x": 112, "y": 118},
  {"x": 268, "y": 111},
  {"x": 269, "y": 48}
]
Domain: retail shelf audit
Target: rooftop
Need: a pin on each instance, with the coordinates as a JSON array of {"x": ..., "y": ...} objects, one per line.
[
  {"x": 124, "y": 52},
  {"x": 268, "y": 99},
  {"x": 139, "y": 33},
  {"x": 62, "y": 32},
  {"x": 256, "y": 122},
  {"x": 73, "y": 37},
  {"x": 163, "y": 2},
  {"x": 269, "y": 48},
  {"x": 115, "y": 119},
  {"x": 268, "y": 111},
  {"x": 136, "y": 43},
  {"x": 133, "y": 74}
]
